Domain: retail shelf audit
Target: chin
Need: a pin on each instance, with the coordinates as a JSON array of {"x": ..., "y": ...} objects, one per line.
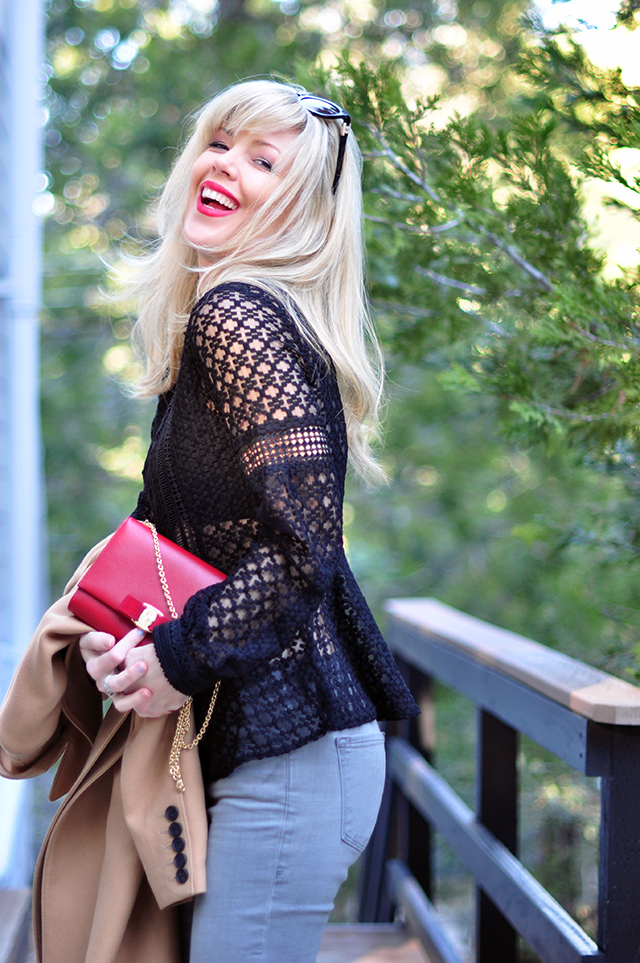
[{"x": 196, "y": 241}]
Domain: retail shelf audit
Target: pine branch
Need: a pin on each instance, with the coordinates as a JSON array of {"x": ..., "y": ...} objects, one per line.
[
  {"x": 450, "y": 282},
  {"x": 573, "y": 416},
  {"x": 400, "y": 195},
  {"x": 413, "y": 228},
  {"x": 447, "y": 226},
  {"x": 510, "y": 249},
  {"x": 631, "y": 345},
  {"x": 400, "y": 164},
  {"x": 401, "y": 225},
  {"x": 401, "y": 308},
  {"x": 533, "y": 272}
]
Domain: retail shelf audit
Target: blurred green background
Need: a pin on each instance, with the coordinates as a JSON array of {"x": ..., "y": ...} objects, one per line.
[{"x": 496, "y": 504}]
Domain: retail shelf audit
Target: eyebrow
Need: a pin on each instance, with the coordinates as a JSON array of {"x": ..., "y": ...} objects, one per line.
[
  {"x": 266, "y": 143},
  {"x": 258, "y": 143}
]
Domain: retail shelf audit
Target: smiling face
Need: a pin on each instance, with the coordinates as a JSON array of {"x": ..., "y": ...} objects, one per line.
[{"x": 229, "y": 181}]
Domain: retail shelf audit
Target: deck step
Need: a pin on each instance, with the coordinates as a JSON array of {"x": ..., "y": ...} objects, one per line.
[
  {"x": 369, "y": 943},
  {"x": 15, "y": 925},
  {"x": 341, "y": 943}
]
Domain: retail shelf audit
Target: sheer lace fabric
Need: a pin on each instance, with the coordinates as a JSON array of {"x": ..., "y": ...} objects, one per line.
[{"x": 246, "y": 469}]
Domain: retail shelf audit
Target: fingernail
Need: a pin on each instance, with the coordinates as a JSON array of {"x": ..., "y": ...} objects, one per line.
[{"x": 141, "y": 668}]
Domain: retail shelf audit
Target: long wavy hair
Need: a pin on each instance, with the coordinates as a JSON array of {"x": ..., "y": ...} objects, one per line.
[{"x": 303, "y": 244}]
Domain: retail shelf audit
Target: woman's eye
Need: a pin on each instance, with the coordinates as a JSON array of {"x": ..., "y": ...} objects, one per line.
[
  {"x": 218, "y": 145},
  {"x": 263, "y": 162}
]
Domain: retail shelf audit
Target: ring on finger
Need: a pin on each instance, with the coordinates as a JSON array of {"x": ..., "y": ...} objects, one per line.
[{"x": 107, "y": 688}]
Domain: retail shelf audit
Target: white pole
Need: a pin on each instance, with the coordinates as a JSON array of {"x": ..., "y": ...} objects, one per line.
[
  {"x": 24, "y": 22},
  {"x": 25, "y": 35}
]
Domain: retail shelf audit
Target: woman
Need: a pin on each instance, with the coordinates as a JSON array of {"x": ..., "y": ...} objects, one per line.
[{"x": 252, "y": 322}]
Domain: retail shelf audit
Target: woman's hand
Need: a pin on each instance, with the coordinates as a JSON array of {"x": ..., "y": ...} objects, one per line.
[
  {"x": 104, "y": 660},
  {"x": 132, "y": 672},
  {"x": 164, "y": 698}
]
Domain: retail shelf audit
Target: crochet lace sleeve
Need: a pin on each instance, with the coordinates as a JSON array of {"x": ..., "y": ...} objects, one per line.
[{"x": 257, "y": 381}]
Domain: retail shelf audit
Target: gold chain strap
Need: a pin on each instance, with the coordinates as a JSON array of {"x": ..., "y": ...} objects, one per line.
[{"x": 184, "y": 716}]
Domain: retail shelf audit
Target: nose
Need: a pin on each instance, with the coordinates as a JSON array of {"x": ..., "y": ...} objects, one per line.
[{"x": 225, "y": 163}]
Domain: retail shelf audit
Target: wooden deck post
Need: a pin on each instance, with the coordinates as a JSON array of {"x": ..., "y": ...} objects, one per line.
[
  {"x": 497, "y": 809},
  {"x": 420, "y": 841},
  {"x": 619, "y": 874}
]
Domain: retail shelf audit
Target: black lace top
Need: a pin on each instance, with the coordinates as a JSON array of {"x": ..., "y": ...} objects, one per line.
[{"x": 246, "y": 469}]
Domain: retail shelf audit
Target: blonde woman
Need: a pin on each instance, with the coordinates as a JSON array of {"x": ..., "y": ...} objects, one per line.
[{"x": 252, "y": 320}]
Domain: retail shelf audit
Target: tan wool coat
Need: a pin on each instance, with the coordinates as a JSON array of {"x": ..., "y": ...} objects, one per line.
[{"x": 105, "y": 887}]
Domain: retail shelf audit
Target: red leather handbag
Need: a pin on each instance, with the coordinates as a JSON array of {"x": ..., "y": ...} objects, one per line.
[
  {"x": 142, "y": 579},
  {"x": 139, "y": 579}
]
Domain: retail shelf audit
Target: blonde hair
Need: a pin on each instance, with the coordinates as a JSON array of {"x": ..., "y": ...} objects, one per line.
[{"x": 313, "y": 259}]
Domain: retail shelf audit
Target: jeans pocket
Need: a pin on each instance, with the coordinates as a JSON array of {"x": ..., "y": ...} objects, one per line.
[{"x": 361, "y": 761}]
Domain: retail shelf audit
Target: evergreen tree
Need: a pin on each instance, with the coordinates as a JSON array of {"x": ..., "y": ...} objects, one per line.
[{"x": 486, "y": 286}]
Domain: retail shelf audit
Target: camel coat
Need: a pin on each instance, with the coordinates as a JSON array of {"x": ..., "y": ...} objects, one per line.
[{"x": 105, "y": 887}]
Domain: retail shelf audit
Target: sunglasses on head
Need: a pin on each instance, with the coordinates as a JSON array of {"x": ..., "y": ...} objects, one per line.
[{"x": 327, "y": 110}]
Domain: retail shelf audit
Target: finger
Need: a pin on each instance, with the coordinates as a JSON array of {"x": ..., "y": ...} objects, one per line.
[
  {"x": 95, "y": 643},
  {"x": 128, "y": 642},
  {"x": 127, "y": 680},
  {"x": 109, "y": 661},
  {"x": 102, "y": 665},
  {"x": 140, "y": 652},
  {"x": 136, "y": 700}
]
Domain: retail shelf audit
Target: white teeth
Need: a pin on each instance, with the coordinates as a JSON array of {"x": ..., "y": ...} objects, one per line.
[{"x": 209, "y": 195}]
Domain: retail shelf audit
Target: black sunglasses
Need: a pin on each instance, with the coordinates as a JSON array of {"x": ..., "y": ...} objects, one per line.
[{"x": 327, "y": 110}]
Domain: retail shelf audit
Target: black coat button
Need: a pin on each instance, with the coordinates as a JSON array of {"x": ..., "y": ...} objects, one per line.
[
  {"x": 180, "y": 860},
  {"x": 178, "y": 844},
  {"x": 175, "y": 829},
  {"x": 182, "y": 875},
  {"x": 171, "y": 812}
]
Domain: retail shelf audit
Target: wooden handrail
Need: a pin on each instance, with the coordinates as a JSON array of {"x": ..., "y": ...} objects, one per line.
[
  {"x": 582, "y": 688},
  {"x": 580, "y": 714}
]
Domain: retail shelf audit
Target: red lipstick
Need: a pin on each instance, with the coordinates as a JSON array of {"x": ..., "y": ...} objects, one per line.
[{"x": 215, "y": 200}]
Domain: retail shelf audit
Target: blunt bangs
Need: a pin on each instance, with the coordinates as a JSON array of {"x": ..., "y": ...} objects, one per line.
[{"x": 257, "y": 105}]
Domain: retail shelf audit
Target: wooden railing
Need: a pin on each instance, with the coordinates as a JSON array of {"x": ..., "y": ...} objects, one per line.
[{"x": 583, "y": 716}]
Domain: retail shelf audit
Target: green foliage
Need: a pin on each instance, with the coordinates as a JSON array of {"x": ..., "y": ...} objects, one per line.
[
  {"x": 482, "y": 273},
  {"x": 494, "y": 310},
  {"x": 485, "y": 227},
  {"x": 527, "y": 540}
]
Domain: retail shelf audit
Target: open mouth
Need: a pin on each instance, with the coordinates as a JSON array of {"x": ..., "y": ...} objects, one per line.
[{"x": 214, "y": 201}]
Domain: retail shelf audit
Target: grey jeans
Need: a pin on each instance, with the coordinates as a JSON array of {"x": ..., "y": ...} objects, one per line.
[{"x": 283, "y": 834}]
